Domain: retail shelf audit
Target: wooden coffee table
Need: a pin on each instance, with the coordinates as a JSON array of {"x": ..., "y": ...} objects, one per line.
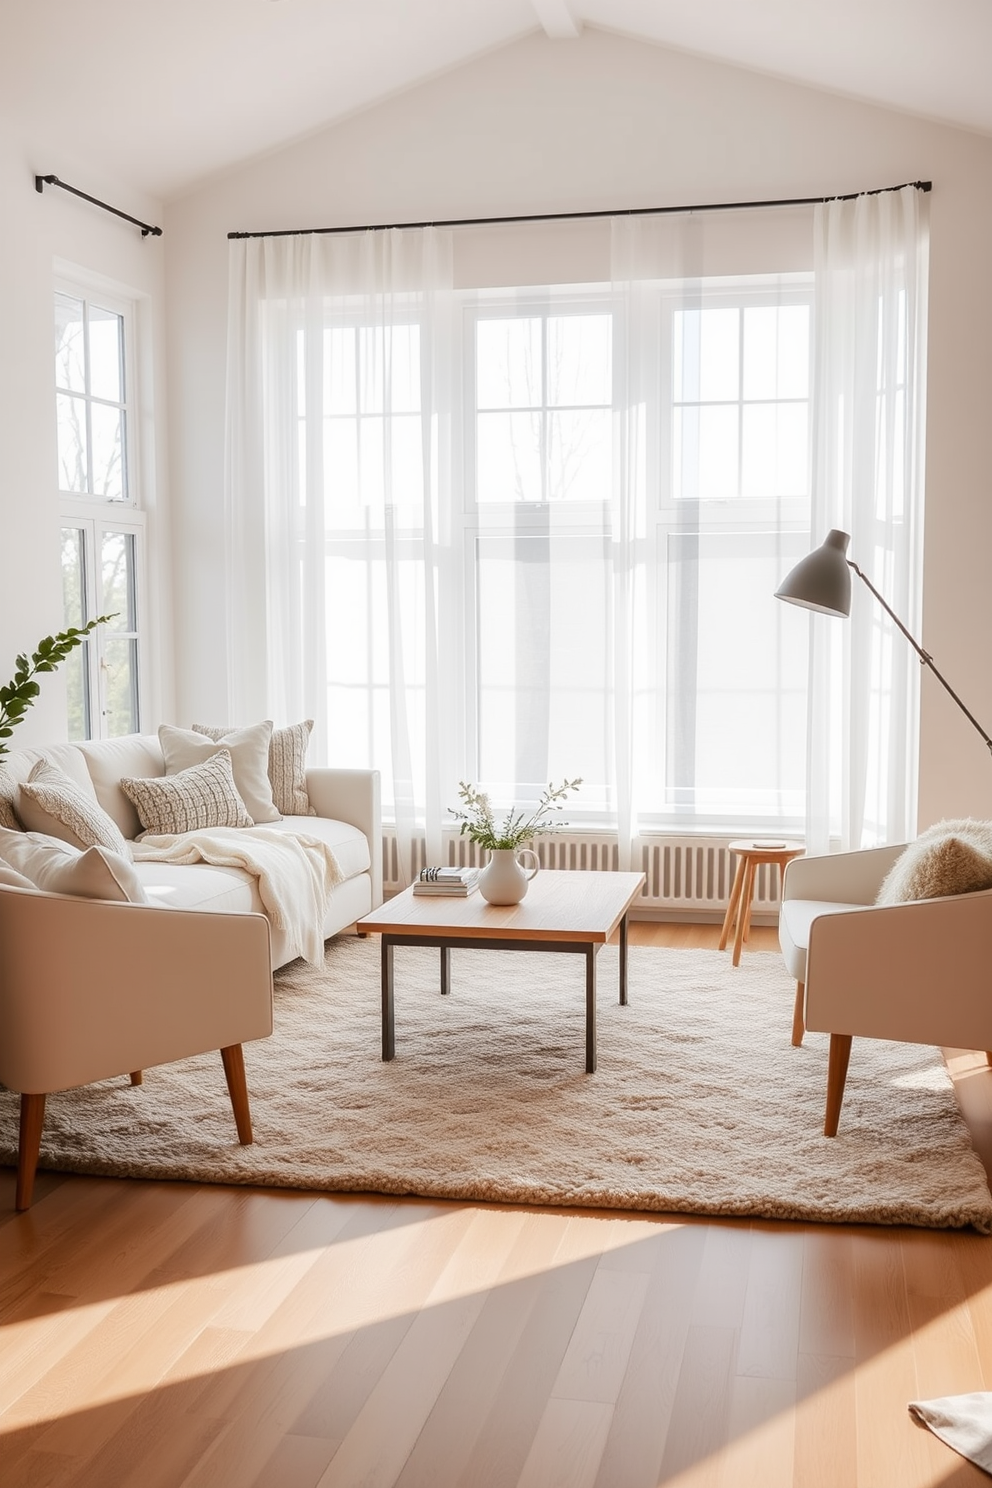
[{"x": 562, "y": 911}]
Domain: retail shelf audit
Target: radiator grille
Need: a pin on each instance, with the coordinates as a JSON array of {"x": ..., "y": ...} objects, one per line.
[{"x": 685, "y": 875}]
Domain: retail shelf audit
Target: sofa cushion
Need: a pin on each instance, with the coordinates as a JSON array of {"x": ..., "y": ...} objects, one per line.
[
  {"x": 105, "y": 761},
  {"x": 249, "y": 751},
  {"x": 349, "y": 845},
  {"x": 51, "y": 803},
  {"x": 203, "y": 886},
  {"x": 196, "y": 799},
  {"x": 287, "y": 765},
  {"x": 57, "y": 868},
  {"x": 951, "y": 857}
]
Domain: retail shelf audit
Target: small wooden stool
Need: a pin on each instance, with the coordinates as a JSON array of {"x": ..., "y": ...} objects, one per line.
[{"x": 750, "y": 856}]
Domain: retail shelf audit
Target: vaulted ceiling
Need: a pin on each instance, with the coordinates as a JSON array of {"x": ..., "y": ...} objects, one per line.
[{"x": 160, "y": 93}]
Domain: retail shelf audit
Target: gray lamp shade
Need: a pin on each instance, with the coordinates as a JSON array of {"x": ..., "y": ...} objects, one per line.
[{"x": 822, "y": 580}]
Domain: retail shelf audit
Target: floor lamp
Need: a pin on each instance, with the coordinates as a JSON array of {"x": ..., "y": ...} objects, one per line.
[{"x": 822, "y": 581}]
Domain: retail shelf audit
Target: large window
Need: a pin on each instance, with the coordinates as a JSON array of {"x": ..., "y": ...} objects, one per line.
[
  {"x": 102, "y": 524},
  {"x": 721, "y": 510}
]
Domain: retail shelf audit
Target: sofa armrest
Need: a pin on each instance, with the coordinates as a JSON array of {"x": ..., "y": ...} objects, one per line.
[
  {"x": 352, "y": 796},
  {"x": 845, "y": 878},
  {"x": 90, "y": 989},
  {"x": 917, "y": 972}
]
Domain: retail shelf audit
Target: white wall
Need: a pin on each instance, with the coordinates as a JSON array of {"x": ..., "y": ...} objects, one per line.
[
  {"x": 605, "y": 122},
  {"x": 37, "y": 230}
]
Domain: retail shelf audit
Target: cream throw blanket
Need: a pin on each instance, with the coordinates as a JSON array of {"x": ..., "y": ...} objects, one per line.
[
  {"x": 295, "y": 874},
  {"x": 964, "y": 1422}
]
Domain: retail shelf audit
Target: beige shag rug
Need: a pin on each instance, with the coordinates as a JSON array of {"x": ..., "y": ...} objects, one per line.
[{"x": 700, "y": 1103}]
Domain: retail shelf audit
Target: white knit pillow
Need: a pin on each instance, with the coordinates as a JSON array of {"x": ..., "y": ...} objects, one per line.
[
  {"x": 50, "y": 801},
  {"x": 287, "y": 765},
  {"x": 60, "y": 869},
  {"x": 249, "y": 751},
  {"x": 952, "y": 857},
  {"x": 8, "y": 791},
  {"x": 196, "y": 799}
]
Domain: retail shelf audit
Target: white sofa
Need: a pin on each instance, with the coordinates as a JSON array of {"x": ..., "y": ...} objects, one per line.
[{"x": 348, "y": 819}]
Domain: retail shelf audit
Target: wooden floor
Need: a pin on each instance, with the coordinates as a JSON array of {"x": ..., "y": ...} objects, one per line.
[{"x": 177, "y": 1336}]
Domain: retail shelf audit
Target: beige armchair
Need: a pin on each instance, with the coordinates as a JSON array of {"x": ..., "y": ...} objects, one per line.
[
  {"x": 90, "y": 989},
  {"x": 916, "y": 973}
]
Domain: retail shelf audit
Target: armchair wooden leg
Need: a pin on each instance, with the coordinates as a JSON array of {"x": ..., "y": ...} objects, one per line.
[
  {"x": 798, "y": 1022},
  {"x": 237, "y": 1087},
  {"x": 840, "y": 1054},
  {"x": 136, "y": 1077},
  {"x": 32, "y": 1120}
]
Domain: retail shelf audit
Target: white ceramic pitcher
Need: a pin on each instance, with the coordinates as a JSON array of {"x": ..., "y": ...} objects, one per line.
[{"x": 503, "y": 880}]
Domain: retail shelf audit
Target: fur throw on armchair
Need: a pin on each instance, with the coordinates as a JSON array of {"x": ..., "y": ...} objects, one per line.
[{"x": 951, "y": 857}]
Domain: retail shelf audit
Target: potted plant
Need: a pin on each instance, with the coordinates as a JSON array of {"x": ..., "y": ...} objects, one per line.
[
  {"x": 503, "y": 880},
  {"x": 22, "y": 689}
]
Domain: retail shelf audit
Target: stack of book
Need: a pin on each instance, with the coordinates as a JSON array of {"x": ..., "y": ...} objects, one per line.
[{"x": 457, "y": 882}]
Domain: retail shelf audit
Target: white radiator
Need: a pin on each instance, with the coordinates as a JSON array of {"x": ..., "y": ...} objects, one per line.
[{"x": 687, "y": 877}]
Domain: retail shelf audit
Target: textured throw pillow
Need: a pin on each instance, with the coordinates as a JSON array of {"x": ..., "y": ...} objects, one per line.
[
  {"x": 952, "y": 857},
  {"x": 50, "y": 802},
  {"x": 8, "y": 791},
  {"x": 249, "y": 751},
  {"x": 287, "y": 765},
  {"x": 198, "y": 798},
  {"x": 58, "y": 868}
]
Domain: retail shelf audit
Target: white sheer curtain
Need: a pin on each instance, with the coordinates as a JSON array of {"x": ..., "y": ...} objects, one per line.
[
  {"x": 338, "y": 473},
  {"x": 871, "y": 260}
]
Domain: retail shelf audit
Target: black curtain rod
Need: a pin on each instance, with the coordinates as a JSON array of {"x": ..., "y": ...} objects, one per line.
[
  {"x": 794, "y": 201},
  {"x": 40, "y": 182}
]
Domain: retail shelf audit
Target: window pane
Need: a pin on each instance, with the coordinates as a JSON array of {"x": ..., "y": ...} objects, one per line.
[
  {"x": 75, "y": 668},
  {"x": 108, "y": 452},
  {"x": 117, "y": 580},
  {"x": 106, "y": 355},
  {"x": 705, "y": 453},
  {"x": 508, "y": 363},
  {"x": 580, "y": 455},
  {"x": 509, "y": 457},
  {"x": 774, "y": 459},
  {"x": 70, "y": 357},
  {"x": 705, "y": 355},
  {"x": 340, "y": 376},
  {"x": 70, "y": 414},
  {"x": 120, "y": 686},
  {"x": 737, "y": 735},
  {"x": 580, "y": 350},
  {"x": 543, "y": 659},
  {"x": 776, "y": 351}
]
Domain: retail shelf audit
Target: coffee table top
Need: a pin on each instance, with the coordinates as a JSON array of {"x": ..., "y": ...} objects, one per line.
[{"x": 559, "y": 905}]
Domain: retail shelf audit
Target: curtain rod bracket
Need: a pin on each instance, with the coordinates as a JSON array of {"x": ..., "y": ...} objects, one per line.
[{"x": 40, "y": 182}]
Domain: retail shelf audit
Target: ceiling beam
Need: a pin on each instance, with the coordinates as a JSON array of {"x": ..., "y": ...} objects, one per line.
[{"x": 557, "y": 19}]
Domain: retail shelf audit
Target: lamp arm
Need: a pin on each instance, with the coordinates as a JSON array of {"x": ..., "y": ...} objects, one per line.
[{"x": 924, "y": 656}]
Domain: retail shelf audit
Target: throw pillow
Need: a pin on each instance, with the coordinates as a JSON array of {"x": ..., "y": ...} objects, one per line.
[
  {"x": 52, "y": 803},
  {"x": 13, "y": 880},
  {"x": 54, "y": 866},
  {"x": 249, "y": 751},
  {"x": 8, "y": 791},
  {"x": 952, "y": 857},
  {"x": 287, "y": 765},
  {"x": 201, "y": 797}
]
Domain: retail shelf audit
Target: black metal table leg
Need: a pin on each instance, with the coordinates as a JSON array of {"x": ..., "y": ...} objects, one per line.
[
  {"x": 623, "y": 962},
  {"x": 388, "y": 1034},
  {"x": 445, "y": 970},
  {"x": 590, "y": 952}
]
